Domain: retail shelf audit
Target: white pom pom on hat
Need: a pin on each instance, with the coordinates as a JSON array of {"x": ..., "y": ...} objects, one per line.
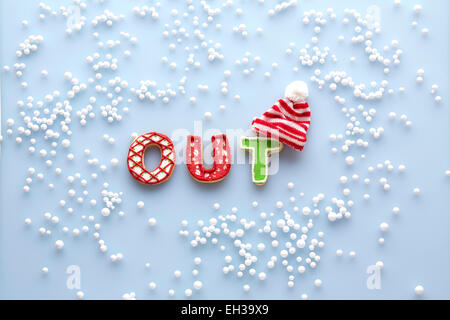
[{"x": 296, "y": 91}]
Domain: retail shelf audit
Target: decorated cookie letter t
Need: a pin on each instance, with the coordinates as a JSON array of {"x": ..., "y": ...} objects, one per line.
[{"x": 260, "y": 149}]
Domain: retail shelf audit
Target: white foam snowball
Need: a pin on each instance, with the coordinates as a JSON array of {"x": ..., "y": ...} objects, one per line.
[
  {"x": 306, "y": 211},
  {"x": 349, "y": 160},
  {"x": 198, "y": 285},
  {"x": 152, "y": 222},
  {"x": 59, "y": 244},
  {"x": 106, "y": 212},
  {"x": 419, "y": 290},
  {"x": 417, "y": 8},
  {"x": 114, "y": 162},
  {"x": 65, "y": 143},
  {"x": 384, "y": 226}
]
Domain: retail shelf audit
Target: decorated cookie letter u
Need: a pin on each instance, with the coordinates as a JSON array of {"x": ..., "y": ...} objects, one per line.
[
  {"x": 260, "y": 149},
  {"x": 136, "y": 154},
  {"x": 221, "y": 156}
]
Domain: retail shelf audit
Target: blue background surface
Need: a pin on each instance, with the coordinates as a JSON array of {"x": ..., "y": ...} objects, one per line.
[{"x": 417, "y": 245}]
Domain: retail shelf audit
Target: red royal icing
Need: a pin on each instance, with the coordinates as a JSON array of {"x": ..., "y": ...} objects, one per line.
[
  {"x": 221, "y": 156},
  {"x": 136, "y": 155}
]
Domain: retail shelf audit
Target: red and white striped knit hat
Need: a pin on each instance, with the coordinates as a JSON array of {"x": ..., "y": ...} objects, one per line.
[{"x": 288, "y": 120}]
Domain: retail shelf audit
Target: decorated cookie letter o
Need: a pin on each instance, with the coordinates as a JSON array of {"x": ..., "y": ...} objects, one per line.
[
  {"x": 260, "y": 149},
  {"x": 221, "y": 156},
  {"x": 136, "y": 154}
]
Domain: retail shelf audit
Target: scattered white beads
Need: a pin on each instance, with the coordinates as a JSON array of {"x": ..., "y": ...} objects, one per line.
[
  {"x": 149, "y": 90},
  {"x": 59, "y": 244},
  {"x": 384, "y": 226},
  {"x": 349, "y": 160},
  {"x": 152, "y": 222},
  {"x": 417, "y": 8},
  {"x": 419, "y": 290},
  {"x": 198, "y": 285},
  {"x": 188, "y": 292}
]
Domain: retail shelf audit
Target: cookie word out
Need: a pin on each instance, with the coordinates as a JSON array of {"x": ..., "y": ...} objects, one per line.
[{"x": 259, "y": 147}]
